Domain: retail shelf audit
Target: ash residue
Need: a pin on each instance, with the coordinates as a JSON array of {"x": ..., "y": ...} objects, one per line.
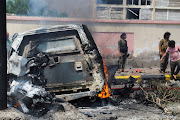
[
  {"x": 128, "y": 109},
  {"x": 64, "y": 112}
]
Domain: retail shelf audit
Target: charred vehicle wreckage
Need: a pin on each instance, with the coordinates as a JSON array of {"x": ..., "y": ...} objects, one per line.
[{"x": 53, "y": 62}]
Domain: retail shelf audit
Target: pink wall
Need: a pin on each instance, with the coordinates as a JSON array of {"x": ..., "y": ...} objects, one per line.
[{"x": 107, "y": 43}]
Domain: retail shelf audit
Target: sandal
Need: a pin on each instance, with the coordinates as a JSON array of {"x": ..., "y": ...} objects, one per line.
[
  {"x": 161, "y": 71},
  {"x": 174, "y": 77}
]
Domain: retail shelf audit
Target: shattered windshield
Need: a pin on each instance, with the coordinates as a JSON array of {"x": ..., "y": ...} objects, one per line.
[{"x": 58, "y": 45}]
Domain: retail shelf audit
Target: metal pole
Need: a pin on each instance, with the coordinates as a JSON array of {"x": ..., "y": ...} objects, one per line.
[
  {"x": 154, "y": 10},
  {"x": 3, "y": 56},
  {"x": 94, "y": 8}
]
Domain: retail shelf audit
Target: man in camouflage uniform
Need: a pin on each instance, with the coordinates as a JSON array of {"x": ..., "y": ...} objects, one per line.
[
  {"x": 163, "y": 45},
  {"x": 123, "y": 52}
]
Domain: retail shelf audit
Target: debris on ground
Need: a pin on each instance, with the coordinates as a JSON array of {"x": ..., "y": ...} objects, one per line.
[
  {"x": 128, "y": 109},
  {"x": 160, "y": 94}
]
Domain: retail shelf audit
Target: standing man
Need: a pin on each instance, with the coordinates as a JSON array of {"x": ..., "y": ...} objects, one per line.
[
  {"x": 163, "y": 45},
  {"x": 173, "y": 50},
  {"x": 123, "y": 50}
]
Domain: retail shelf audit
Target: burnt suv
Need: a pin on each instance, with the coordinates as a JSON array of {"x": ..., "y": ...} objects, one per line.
[{"x": 62, "y": 59}]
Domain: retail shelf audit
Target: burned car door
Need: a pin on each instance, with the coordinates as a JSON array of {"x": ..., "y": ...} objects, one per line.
[
  {"x": 67, "y": 66},
  {"x": 66, "y": 60}
]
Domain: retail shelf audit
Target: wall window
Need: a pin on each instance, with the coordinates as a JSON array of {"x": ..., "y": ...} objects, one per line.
[
  {"x": 132, "y": 2},
  {"x": 146, "y": 2},
  {"x": 119, "y": 2},
  {"x": 132, "y": 13}
]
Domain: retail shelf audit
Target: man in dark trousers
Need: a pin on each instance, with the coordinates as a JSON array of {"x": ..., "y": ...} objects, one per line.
[
  {"x": 173, "y": 50},
  {"x": 123, "y": 52},
  {"x": 163, "y": 45}
]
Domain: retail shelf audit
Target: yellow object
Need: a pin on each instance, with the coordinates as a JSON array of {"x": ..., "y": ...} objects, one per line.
[
  {"x": 139, "y": 78},
  {"x": 126, "y": 77},
  {"x": 167, "y": 77}
]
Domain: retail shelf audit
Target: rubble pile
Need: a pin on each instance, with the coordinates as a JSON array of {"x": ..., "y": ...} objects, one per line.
[{"x": 27, "y": 89}]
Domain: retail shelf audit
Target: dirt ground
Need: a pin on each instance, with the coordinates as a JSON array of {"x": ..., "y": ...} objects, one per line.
[
  {"x": 11, "y": 114},
  {"x": 128, "y": 109},
  {"x": 68, "y": 113}
]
